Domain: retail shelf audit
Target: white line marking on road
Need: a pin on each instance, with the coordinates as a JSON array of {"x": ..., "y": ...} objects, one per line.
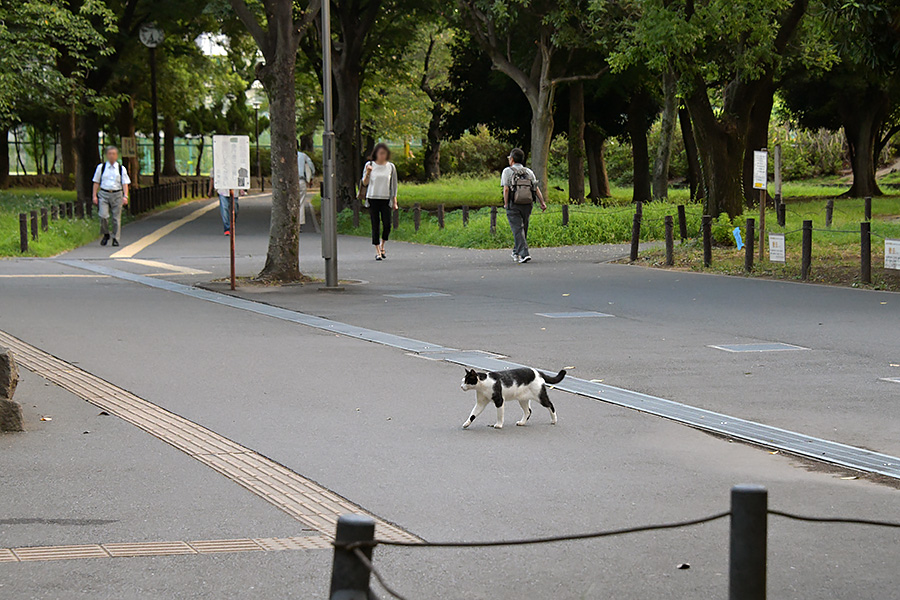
[
  {"x": 151, "y": 238},
  {"x": 161, "y": 265},
  {"x": 53, "y": 275}
]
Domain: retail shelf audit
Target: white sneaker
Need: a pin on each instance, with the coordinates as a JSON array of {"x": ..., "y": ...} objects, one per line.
[
  {"x": 524, "y": 260},
  {"x": 515, "y": 257}
]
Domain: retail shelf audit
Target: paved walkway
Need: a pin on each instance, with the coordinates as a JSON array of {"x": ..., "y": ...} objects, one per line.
[{"x": 381, "y": 428}]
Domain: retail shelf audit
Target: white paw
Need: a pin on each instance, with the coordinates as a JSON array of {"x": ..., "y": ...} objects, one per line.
[
  {"x": 553, "y": 420},
  {"x": 466, "y": 425},
  {"x": 520, "y": 423},
  {"x": 497, "y": 425}
]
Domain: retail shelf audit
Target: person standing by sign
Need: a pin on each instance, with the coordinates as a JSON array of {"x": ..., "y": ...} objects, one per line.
[
  {"x": 520, "y": 190},
  {"x": 110, "y": 194},
  {"x": 225, "y": 196},
  {"x": 307, "y": 170},
  {"x": 380, "y": 182}
]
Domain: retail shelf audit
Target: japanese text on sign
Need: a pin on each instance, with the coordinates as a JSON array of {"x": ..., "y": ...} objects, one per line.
[
  {"x": 231, "y": 161},
  {"x": 776, "y": 247}
]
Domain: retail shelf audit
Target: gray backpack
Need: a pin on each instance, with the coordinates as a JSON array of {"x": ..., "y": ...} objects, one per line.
[{"x": 522, "y": 188}]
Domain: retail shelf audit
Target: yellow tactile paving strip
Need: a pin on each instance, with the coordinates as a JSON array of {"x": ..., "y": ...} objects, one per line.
[
  {"x": 302, "y": 498},
  {"x": 134, "y": 549}
]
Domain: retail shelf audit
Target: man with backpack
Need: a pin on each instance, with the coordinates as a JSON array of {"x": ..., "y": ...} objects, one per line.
[
  {"x": 110, "y": 194},
  {"x": 520, "y": 192}
]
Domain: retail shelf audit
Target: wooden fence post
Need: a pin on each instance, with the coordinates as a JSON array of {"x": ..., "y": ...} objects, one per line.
[
  {"x": 440, "y": 216},
  {"x": 34, "y": 225},
  {"x": 465, "y": 215},
  {"x": 829, "y": 212},
  {"x": 867, "y": 204},
  {"x": 706, "y": 225},
  {"x": 670, "y": 240},
  {"x": 493, "y": 220},
  {"x": 806, "y": 257},
  {"x": 747, "y": 562},
  {"x": 750, "y": 238},
  {"x": 865, "y": 252},
  {"x": 565, "y": 215},
  {"x": 45, "y": 219},
  {"x": 682, "y": 223},
  {"x": 23, "y": 232},
  {"x": 417, "y": 215}
]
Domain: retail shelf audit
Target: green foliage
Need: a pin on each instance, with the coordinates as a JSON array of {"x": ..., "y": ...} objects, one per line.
[{"x": 475, "y": 154}]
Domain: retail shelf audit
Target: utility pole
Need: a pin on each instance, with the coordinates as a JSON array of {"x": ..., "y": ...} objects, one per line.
[
  {"x": 262, "y": 179},
  {"x": 329, "y": 208},
  {"x": 152, "y": 36}
]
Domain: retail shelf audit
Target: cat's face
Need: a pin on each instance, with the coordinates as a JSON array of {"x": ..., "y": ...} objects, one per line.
[{"x": 470, "y": 380}]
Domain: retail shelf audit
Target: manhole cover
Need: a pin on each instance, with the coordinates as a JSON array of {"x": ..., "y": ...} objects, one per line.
[
  {"x": 768, "y": 347},
  {"x": 417, "y": 295},
  {"x": 573, "y": 315}
]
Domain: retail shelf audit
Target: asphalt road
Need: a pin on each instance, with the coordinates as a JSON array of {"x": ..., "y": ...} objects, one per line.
[{"x": 382, "y": 428}]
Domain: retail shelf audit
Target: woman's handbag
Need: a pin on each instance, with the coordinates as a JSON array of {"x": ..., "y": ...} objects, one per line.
[{"x": 361, "y": 196}]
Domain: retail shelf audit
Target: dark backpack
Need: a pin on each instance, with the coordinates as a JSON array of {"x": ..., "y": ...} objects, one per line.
[
  {"x": 103, "y": 168},
  {"x": 522, "y": 188}
]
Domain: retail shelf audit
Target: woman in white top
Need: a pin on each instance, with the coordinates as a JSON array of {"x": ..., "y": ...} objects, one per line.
[{"x": 380, "y": 177}]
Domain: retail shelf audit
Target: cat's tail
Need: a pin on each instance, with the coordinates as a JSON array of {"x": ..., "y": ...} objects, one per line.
[{"x": 554, "y": 378}]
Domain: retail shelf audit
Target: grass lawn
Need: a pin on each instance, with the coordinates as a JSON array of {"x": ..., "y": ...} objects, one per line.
[
  {"x": 63, "y": 235},
  {"x": 835, "y": 252}
]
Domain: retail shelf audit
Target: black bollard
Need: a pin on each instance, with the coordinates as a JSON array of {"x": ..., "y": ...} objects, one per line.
[
  {"x": 670, "y": 240},
  {"x": 440, "y": 215},
  {"x": 465, "y": 215},
  {"x": 682, "y": 223},
  {"x": 749, "y": 522},
  {"x": 54, "y": 212},
  {"x": 417, "y": 215},
  {"x": 829, "y": 212},
  {"x": 806, "y": 258},
  {"x": 34, "y": 225},
  {"x": 493, "y": 220},
  {"x": 781, "y": 214},
  {"x": 565, "y": 215},
  {"x": 636, "y": 230},
  {"x": 45, "y": 219},
  {"x": 706, "y": 226},
  {"x": 749, "y": 240},
  {"x": 23, "y": 232},
  {"x": 349, "y": 575},
  {"x": 868, "y": 208},
  {"x": 865, "y": 252}
]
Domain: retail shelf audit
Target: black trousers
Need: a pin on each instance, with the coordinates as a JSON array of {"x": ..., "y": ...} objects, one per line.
[{"x": 380, "y": 213}]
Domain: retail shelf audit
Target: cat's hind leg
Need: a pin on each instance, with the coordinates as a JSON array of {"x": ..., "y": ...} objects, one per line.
[
  {"x": 526, "y": 411},
  {"x": 545, "y": 401},
  {"x": 480, "y": 404}
]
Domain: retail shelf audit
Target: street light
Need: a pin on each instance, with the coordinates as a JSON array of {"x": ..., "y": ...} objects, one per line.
[
  {"x": 254, "y": 94},
  {"x": 329, "y": 208},
  {"x": 152, "y": 36}
]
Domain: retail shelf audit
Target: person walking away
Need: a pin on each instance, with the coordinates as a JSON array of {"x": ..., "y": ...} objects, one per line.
[
  {"x": 520, "y": 189},
  {"x": 224, "y": 204},
  {"x": 380, "y": 182},
  {"x": 307, "y": 170},
  {"x": 110, "y": 194}
]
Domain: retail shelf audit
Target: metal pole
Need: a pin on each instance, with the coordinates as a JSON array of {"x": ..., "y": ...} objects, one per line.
[
  {"x": 329, "y": 208},
  {"x": 154, "y": 110},
  {"x": 747, "y": 568},
  {"x": 762, "y": 223},
  {"x": 231, "y": 238},
  {"x": 262, "y": 179},
  {"x": 349, "y": 575},
  {"x": 777, "y": 175}
]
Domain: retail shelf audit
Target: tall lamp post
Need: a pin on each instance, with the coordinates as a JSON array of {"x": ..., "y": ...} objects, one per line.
[
  {"x": 329, "y": 208},
  {"x": 152, "y": 36},
  {"x": 255, "y": 96}
]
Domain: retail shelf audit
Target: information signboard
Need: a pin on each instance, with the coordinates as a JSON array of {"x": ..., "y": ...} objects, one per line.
[{"x": 231, "y": 162}]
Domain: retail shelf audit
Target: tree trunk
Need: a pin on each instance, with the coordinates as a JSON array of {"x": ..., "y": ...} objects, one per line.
[
  {"x": 862, "y": 125},
  {"x": 127, "y": 129},
  {"x": 170, "y": 132},
  {"x": 432, "y": 156},
  {"x": 347, "y": 167},
  {"x": 283, "y": 258},
  {"x": 200, "y": 149},
  {"x": 721, "y": 150},
  {"x": 4, "y": 157},
  {"x": 637, "y": 131},
  {"x": 576, "y": 142},
  {"x": 87, "y": 155},
  {"x": 757, "y": 138},
  {"x": 306, "y": 143},
  {"x": 694, "y": 173},
  {"x": 667, "y": 134},
  {"x": 595, "y": 150},
  {"x": 541, "y": 134}
]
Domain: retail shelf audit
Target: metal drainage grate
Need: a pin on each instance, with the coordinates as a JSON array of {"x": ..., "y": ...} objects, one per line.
[
  {"x": 418, "y": 295},
  {"x": 302, "y": 498},
  {"x": 134, "y": 549},
  {"x": 766, "y": 347},
  {"x": 573, "y": 315}
]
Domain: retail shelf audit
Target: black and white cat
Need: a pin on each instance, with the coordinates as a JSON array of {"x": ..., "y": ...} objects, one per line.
[{"x": 499, "y": 387}]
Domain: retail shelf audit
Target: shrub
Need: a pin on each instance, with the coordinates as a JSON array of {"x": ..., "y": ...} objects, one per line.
[{"x": 476, "y": 153}]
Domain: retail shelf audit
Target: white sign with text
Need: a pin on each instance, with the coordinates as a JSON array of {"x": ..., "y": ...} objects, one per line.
[
  {"x": 892, "y": 254},
  {"x": 231, "y": 162},
  {"x": 776, "y": 247},
  {"x": 760, "y": 169}
]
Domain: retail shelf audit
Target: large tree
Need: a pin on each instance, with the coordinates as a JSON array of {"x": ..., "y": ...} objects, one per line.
[
  {"x": 523, "y": 41},
  {"x": 277, "y": 32},
  {"x": 726, "y": 53}
]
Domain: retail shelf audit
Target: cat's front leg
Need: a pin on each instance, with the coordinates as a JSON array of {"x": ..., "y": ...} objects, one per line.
[
  {"x": 499, "y": 423},
  {"x": 480, "y": 404}
]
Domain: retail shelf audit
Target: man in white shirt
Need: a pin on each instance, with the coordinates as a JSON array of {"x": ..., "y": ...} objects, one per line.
[
  {"x": 110, "y": 193},
  {"x": 520, "y": 191},
  {"x": 307, "y": 170}
]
